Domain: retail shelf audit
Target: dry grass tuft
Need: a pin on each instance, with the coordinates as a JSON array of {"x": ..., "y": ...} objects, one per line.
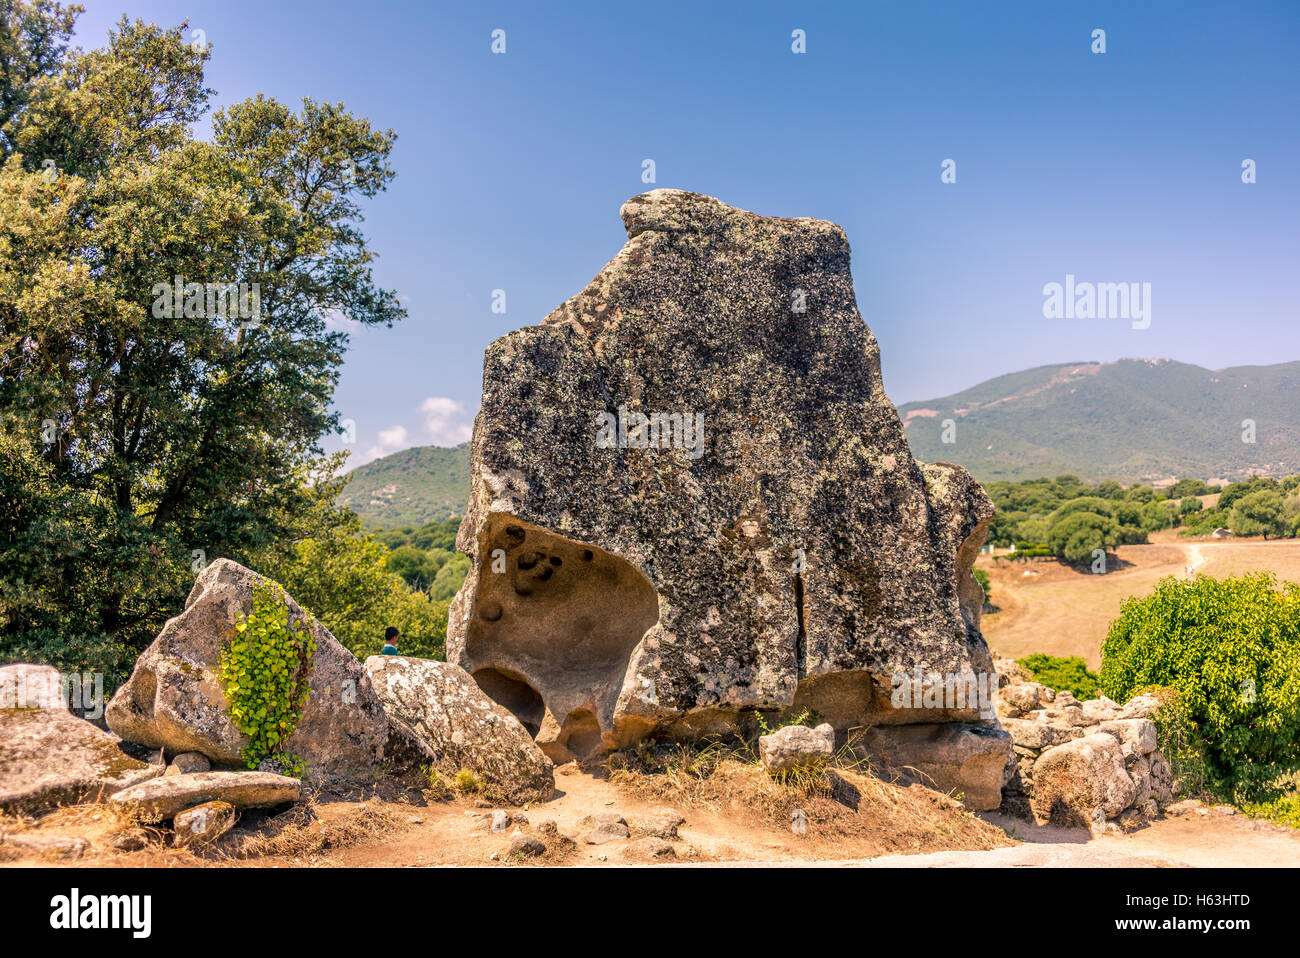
[
  {"x": 302, "y": 831},
  {"x": 850, "y": 812}
]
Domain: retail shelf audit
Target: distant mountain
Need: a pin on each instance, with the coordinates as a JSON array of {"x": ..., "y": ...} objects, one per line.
[
  {"x": 411, "y": 487},
  {"x": 1135, "y": 420}
]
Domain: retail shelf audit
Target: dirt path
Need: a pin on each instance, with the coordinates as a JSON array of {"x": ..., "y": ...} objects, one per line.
[{"x": 1045, "y": 606}]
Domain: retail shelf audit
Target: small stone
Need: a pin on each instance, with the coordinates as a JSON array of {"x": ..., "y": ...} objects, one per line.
[
  {"x": 797, "y": 746},
  {"x": 187, "y": 762},
  {"x": 662, "y": 824},
  {"x": 650, "y": 848},
  {"x": 500, "y": 821},
  {"x": 130, "y": 840},
  {"x": 526, "y": 846},
  {"x": 606, "y": 832},
  {"x": 203, "y": 824}
]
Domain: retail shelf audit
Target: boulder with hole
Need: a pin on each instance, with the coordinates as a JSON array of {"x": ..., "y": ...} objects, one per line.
[{"x": 691, "y": 498}]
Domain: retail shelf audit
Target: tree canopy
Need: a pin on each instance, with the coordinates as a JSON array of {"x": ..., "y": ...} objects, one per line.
[{"x": 145, "y": 432}]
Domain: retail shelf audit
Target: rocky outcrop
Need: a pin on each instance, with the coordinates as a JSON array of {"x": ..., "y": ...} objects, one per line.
[
  {"x": 163, "y": 798},
  {"x": 174, "y": 699},
  {"x": 796, "y": 746},
  {"x": 50, "y": 757},
  {"x": 691, "y": 497},
  {"x": 1081, "y": 763},
  {"x": 440, "y": 712}
]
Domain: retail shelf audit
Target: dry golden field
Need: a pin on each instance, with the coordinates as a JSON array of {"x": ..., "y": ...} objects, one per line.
[{"x": 1046, "y": 606}]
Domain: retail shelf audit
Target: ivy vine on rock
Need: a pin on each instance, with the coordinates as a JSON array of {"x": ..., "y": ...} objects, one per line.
[{"x": 265, "y": 670}]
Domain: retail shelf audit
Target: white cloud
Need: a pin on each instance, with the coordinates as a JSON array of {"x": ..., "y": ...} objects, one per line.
[
  {"x": 339, "y": 321},
  {"x": 391, "y": 440},
  {"x": 447, "y": 420}
]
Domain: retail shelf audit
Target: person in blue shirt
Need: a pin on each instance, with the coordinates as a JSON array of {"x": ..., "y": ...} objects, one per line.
[{"x": 391, "y": 635}]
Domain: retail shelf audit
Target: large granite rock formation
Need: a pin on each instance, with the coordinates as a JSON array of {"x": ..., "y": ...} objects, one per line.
[
  {"x": 174, "y": 699},
  {"x": 691, "y": 497}
]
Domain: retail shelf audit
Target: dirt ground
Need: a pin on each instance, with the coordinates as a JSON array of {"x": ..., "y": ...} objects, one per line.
[
  {"x": 737, "y": 820},
  {"x": 735, "y": 814},
  {"x": 1046, "y": 606}
]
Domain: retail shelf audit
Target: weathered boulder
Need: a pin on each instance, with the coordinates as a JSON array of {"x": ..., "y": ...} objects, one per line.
[
  {"x": 174, "y": 698},
  {"x": 1139, "y": 733},
  {"x": 691, "y": 497},
  {"x": 203, "y": 824},
  {"x": 972, "y": 760},
  {"x": 48, "y": 756},
  {"x": 441, "y": 707},
  {"x": 1074, "y": 780},
  {"x": 1030, "y": 733},
  {"x": 162, "y": 798},
  {"x": 796, "y": 746}
]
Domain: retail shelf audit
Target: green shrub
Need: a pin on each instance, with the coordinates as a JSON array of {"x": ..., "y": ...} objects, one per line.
[
  {"x": 1061, "y": 673},
  {"x": 1075, "y": 536},
  {"x": 1230, "y": 648},
  {"x": 1179, "y": 740},
  {"x": 1030, "y": 550},
  {"x": 1283, "y": 810},
  {"x": 264, "y": 672}
]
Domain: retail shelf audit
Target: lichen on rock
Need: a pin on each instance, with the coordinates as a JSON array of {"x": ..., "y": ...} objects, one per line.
[{"x": 691, "y": 497}]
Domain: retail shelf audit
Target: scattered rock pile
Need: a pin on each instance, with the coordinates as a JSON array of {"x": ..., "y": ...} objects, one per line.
[
  {"x": 395, "y": 711},
  {"x": 1081, "y": 763}
]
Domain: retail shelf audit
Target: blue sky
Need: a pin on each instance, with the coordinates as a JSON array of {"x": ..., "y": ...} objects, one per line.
[{"x": 1116, "y": 167}]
